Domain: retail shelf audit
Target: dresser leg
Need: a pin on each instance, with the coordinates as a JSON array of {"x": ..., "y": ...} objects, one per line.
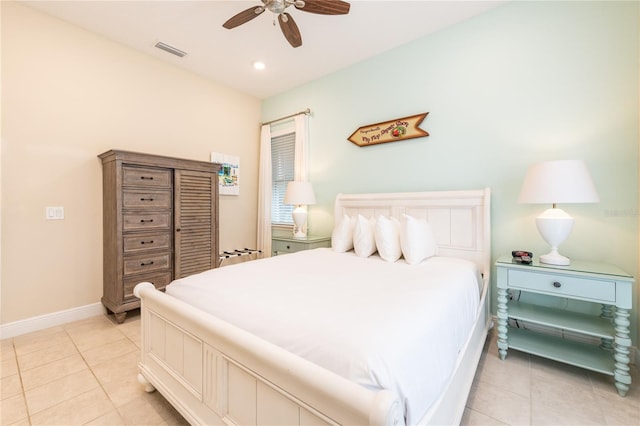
[
  {"x": 120, "y": 316},
  {"x": 622, "y": 344},
  {"x": 502, "y": 322}
]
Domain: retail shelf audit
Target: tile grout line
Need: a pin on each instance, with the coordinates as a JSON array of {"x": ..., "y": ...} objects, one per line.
[
  {"x": 24, "y": 392},
  {"x": 100, "y": 385}
]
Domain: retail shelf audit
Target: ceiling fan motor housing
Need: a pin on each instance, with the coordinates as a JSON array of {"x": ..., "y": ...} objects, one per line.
[{"x": 277, "y": 6}]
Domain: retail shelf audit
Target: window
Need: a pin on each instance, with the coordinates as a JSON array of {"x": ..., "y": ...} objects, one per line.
[{"x": 282, "y": 172}]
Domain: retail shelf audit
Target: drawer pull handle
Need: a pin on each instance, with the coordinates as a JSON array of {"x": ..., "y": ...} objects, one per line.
[
  {"x": 146, "y": 242},
  {"x": 146, "y": 263},
  {"x": 146, "y": 220},
  {"x": 146, "y": 199},
  {"x": 288, "y": 247},
  {"x": 556, "y": 284},
  {"x": 146, "y": 177}
]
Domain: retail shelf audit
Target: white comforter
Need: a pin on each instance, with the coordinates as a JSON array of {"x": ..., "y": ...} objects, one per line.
[{"x": 383, "y": 325}]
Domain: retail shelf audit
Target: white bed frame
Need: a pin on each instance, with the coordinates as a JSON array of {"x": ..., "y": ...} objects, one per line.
[{"x": 215, "y": 373}]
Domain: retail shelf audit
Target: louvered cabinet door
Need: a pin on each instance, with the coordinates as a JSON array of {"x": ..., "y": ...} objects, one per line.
[{"x": 196, "y": 218}]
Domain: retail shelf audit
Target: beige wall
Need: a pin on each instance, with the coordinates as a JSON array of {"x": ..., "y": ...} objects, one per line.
[{"x": 69, "y": 95}]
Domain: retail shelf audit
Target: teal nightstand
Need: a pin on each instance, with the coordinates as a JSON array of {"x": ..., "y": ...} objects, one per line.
[
  {"x": 587, "y": 281},
  {"x": 283, "y": 245}
]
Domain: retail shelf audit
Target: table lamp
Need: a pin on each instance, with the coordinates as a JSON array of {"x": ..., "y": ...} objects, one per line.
[
  {"x": 554, "y": 182},
  {"x": 301, "y": 194}
]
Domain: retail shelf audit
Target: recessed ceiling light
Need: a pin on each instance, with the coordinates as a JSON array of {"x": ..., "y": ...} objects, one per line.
[{"x": 259, "y": 65}]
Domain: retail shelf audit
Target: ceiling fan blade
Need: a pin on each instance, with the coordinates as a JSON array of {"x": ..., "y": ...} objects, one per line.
[
  {"x": 325, "y": 7},
  {"x": 290, "y": 29},
  {"x": 244, "y": 16}
]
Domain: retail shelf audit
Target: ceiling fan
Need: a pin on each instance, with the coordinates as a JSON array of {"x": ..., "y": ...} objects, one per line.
[{"x": 287, "y": 24}]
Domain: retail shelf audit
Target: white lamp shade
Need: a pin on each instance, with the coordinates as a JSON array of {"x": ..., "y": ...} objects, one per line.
[
  {"x": 562, "y": 181},
  {"x": 299, "y": 193},
  {"x": 551, "y": 182}
]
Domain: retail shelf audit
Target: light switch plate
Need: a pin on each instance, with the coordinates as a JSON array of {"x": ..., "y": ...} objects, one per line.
[{"x": 54, "y": 213}]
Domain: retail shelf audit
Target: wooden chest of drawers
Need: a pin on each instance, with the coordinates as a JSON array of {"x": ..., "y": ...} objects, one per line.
[{"x": 160, "y": 223}]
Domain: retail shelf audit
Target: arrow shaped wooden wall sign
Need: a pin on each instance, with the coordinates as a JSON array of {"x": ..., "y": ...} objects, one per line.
[{"x": 389, "y": 131}]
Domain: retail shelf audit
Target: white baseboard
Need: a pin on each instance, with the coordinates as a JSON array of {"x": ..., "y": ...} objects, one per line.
[{"x": 41, "y": 322}]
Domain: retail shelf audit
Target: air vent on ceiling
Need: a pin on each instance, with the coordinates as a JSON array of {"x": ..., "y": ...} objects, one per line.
[{"x": 170, "y": 49}]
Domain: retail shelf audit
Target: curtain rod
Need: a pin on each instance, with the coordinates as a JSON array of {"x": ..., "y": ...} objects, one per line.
[{"x": 306, "y": 112}]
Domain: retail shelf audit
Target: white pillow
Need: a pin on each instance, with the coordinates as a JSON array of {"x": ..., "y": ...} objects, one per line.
[
  {"x": 387, "y": 235},
  {"x": 416, "y": 239},
  {"x": 364, "y": 241},
  {"x": 342, "y": 235}
]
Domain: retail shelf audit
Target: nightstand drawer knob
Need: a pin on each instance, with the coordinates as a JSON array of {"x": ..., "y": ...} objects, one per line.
[
  {"x": 288, "y": 247},
  {"x": 556, "y": 284}
]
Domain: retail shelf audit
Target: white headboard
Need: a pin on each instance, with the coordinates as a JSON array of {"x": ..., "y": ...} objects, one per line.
[{"x": 461, "y": 220}]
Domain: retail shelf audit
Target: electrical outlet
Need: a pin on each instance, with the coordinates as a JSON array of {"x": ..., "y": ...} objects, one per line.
[{"x": 54, "y": 213}]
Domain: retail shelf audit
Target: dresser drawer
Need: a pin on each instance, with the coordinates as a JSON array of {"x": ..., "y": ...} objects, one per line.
[
  {"x": 562, "y": 285},
  {"x": 147, "y": 177},
  {"x": 139, "y": 221},
  {"x": 159, "y": 280},
  {"x": 136, "y": 243},
  {"x": 141, "y": 263},
  {"x": 132, "y": 199}
]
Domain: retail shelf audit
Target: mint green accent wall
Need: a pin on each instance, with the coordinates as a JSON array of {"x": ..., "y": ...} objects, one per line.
[{"x": 522, "y": 83}]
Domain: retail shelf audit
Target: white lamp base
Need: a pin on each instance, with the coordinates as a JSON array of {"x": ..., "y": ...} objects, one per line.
[
  {"x": 555, "y": 258},
  {"x": 300, "y": 222},
  {"x": 554, "y": 226}
]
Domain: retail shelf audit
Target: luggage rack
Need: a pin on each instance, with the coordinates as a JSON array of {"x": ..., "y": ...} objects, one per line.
[{"x": 238, "y": 253}]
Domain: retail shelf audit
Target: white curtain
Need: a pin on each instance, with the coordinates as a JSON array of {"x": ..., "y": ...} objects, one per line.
[
  {"x": 264, "y": 192},
  {"x": 301, "y": 173},
  {"x": 301, "y": 167}
]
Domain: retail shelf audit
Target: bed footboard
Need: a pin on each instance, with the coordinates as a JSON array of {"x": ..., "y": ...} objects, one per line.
[{"x": 215, "y": 373}]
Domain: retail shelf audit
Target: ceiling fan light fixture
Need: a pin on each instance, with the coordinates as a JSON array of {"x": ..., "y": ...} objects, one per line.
[{"x": 277, "y": 6}]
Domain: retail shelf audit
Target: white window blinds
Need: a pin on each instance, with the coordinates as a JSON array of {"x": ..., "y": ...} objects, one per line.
[{"x": 282, "y": 172}]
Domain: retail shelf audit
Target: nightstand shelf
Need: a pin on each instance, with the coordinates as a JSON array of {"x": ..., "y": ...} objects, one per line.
[
  {"x": 592, "y": 282},
  {"x": 565, "y": 320},
  {"x": 583, "y": 355}
]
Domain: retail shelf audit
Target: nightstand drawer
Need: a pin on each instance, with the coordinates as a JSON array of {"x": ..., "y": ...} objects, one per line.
[
  {"x": 288, "y": 246},
  {"x": 283, "y": 245},
  {"x": 563, "y": 285}
]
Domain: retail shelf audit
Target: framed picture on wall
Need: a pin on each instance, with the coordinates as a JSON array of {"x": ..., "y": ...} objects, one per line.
[{"x": 229, "y": 175}]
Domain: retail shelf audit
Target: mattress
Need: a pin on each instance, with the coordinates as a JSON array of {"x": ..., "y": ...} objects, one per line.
[{"x": 383, "y": 325}]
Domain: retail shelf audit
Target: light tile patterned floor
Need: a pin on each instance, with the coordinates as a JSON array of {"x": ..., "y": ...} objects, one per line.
[{"x": 84, "y": 373}]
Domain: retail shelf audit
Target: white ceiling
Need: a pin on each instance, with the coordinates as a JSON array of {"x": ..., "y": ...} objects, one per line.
[{"x": 225, "y": 56}]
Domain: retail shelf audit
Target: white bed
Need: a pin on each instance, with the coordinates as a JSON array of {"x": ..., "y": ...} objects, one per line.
[{"x": 219, "y": 366}]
